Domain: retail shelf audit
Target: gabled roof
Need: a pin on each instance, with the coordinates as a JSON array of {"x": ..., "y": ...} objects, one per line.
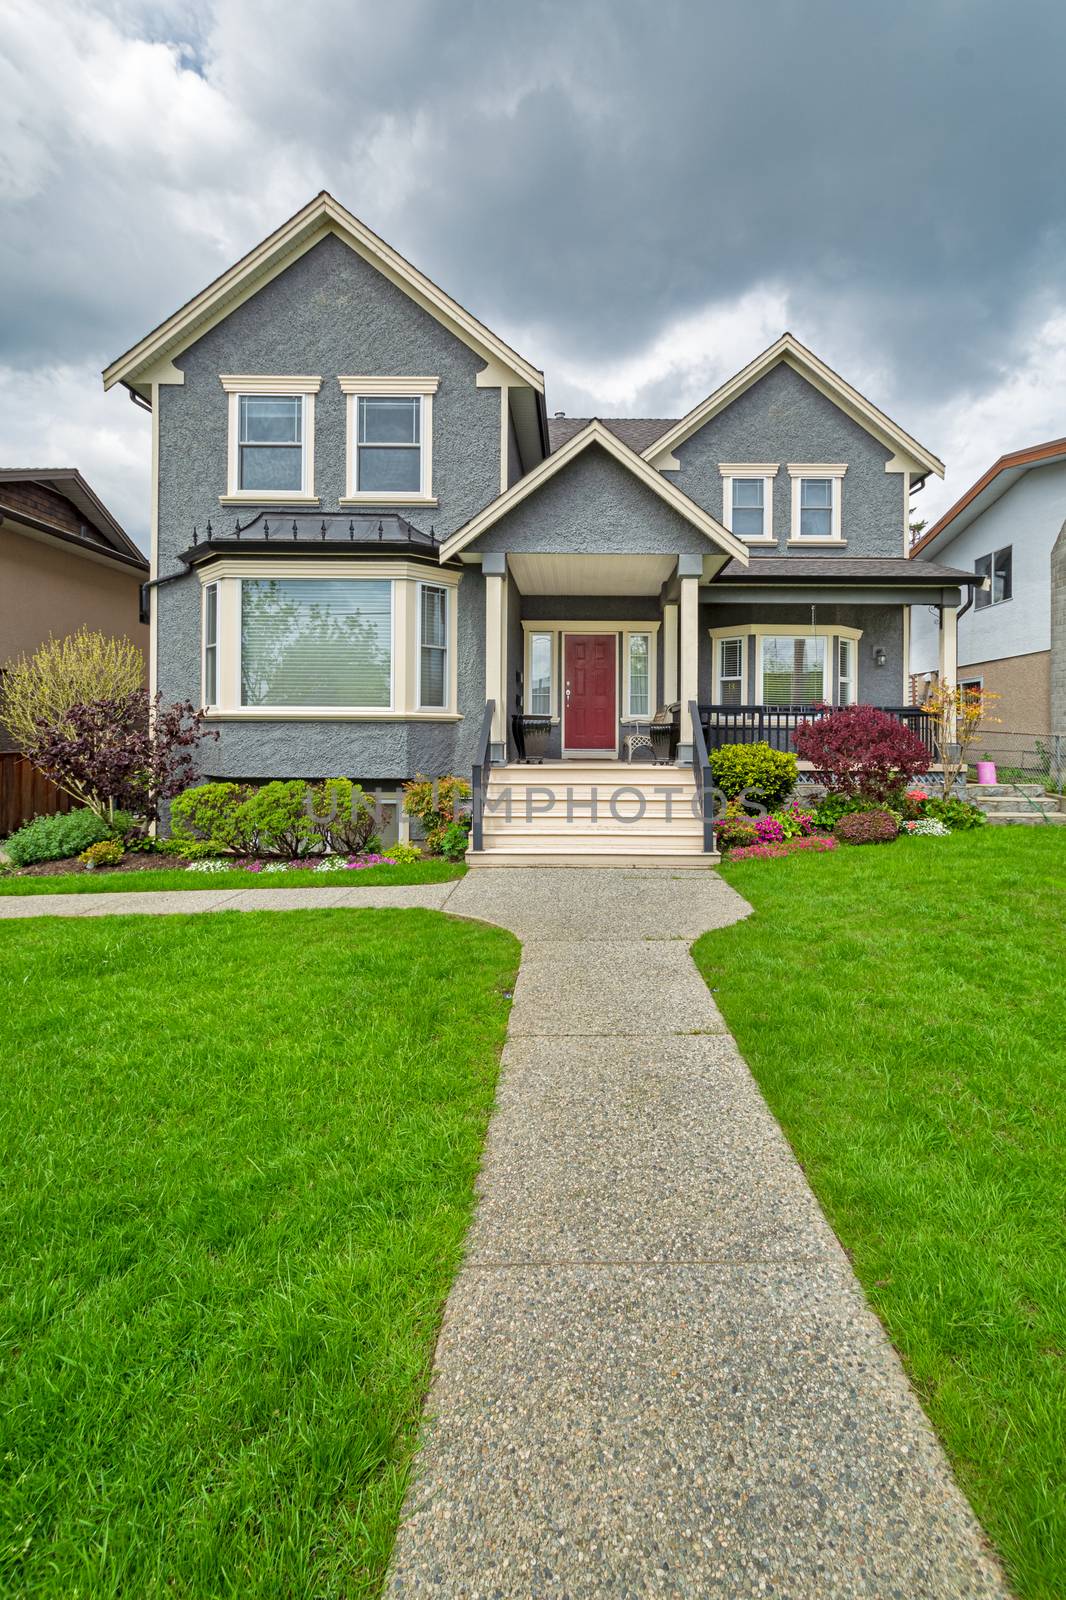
[
  {"x": 595, "y": 432},
  {"x": 68, "y": 482},
  {"x": 636, "y": 432},
  {"x": 323, "y": 215},
  {"x": 989, "y": 487},
  {"x": 789, "y": 350}
]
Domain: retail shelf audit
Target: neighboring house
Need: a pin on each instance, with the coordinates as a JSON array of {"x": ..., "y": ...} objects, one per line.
[
  {"x": 1004, "y": 529},
  {"x": 64, "y": 563},
  {"x": 365, "y": 527}
]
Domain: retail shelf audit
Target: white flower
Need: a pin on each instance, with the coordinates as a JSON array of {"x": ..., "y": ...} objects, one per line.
[
  {"x": 212, "y": 865},
  {"x": 928, "y": 827}
]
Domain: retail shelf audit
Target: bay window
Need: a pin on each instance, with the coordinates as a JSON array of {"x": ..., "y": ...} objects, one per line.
[
  {"x": 846, "y": 672},
  {"x": 731, "y": 671},
  {"x": 390, "y": 440},
  {"x": 330, "y": 639},
  {"x": 797, "y": 665},
  {"x": 792, "y": 669}
]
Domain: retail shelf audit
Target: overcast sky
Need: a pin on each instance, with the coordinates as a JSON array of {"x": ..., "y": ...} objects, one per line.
[{"x": 639, "y": 195}]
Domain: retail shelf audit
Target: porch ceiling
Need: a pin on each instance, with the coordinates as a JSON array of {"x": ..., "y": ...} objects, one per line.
[{"x": 592, "y": 575}]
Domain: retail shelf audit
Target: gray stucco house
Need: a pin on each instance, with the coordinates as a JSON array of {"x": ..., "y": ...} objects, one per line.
[{"x": 366, "y": 526}]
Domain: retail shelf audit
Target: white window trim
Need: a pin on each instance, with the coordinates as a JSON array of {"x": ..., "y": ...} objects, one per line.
[
  {"x": 798, "y": 470},
  {"x": 204, "y": 644},
  {"x": 852, "y": 677},
  {"x": 627, "y": 689},
  {"x": 527, "y": 671},
  {"x": 767, "y": 471},
  {"x": 362, "y": 388},
  {"x": 559, "y": 630},
  {"x": 717, "y": 636},
  {"x": 236, "y": 385},
  {"x": 449, "y": 653},
  {"x": 404, "y": 692}
]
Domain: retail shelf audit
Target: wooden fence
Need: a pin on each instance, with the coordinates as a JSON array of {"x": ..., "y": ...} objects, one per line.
[{"x": 24, "y": 793}]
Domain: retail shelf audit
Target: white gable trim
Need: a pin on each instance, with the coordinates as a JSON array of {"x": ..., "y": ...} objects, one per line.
[
  {"x": 909, "y": 455},
  {"x": 246, "y": 277},
  {"x": 595, "y": 433}
]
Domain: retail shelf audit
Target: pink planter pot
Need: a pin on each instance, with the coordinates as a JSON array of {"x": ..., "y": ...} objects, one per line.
[{"x": 986, "y": 772}]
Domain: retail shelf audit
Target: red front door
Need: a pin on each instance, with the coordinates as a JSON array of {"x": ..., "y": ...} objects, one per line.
[{"x": 590, "y": 671}]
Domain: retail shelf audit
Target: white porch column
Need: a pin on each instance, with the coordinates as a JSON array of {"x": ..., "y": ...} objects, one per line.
[
  {"x": 669, "y": 655},
  {"x": 494, "y": 569},
  {"x": 689, "y": 570},
  {"x": 949, "y": 650}
]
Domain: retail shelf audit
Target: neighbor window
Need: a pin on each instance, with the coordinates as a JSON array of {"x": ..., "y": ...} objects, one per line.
[
  {"x": 270, "y": 442},
  {"x": 998, "y": 568},
  {"x": 316, "y": 642},
  {"x": 816, "y": 501},
  {"x": 639, "y": 675},
  {"x": 210, "y": 688},
  {"x": 731, "y": 672},
  {"x": 433, "y": 646},
  {"x": 390, "y": 432},
  {"x": 846, "y": 671},
  {"x": 540, "y": 674},
  {"x": 793, "y": 669}
]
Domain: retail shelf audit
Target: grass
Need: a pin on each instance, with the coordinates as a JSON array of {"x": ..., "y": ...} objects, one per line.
[
  {"x": 902, "y": 1008},
  {"x": 157, "y": 878},
  {"x": 237, "y": 1159}
]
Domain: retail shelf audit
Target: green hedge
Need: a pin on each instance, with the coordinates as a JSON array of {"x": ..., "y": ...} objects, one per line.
[
  {"x": 55, "y": 838},
  {"x": 768, "y": 775},
  {"x": 287, "y": 820}
]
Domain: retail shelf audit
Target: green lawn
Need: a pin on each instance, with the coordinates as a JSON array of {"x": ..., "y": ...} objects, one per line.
[
  {"x": 434, "y": 870},
  {"x": 904, "y": 1010},
  {"x": 237, "y": 1157}
]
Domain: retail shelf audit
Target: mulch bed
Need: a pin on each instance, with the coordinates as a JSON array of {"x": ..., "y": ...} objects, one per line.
[{"x": 132, "y": 861}]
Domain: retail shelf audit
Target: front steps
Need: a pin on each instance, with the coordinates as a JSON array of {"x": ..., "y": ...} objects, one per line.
[
  {"x": 591, "y": 813},
  {"x": 1020, "y": 805}
]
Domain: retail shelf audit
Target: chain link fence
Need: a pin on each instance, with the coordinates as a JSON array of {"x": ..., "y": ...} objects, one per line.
[{"x": 1022, "y": 757}]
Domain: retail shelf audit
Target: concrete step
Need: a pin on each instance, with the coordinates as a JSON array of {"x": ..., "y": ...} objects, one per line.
[
  {"x": 1026, "y": 819},
  {"x": 622, "y": 810},
  {"x": 641, "y": 839},
  {"x": 677, "y": 861},
  {"x": 977, "y": 791}
]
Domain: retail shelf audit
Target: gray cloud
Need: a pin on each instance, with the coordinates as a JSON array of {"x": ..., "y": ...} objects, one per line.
[{"x": 584, "y": 174}]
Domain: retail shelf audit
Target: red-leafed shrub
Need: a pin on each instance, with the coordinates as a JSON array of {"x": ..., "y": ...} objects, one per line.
[
  {"x": 866, "y": 827},
  {"x": 862, "y": 752}
]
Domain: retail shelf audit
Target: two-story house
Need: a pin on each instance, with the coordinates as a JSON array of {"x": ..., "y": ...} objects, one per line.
[
  {"x": 1004, "y": 528},
  {"x": 371, "y": 546}
]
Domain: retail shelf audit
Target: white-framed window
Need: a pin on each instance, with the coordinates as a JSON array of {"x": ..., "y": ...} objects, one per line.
[
  {"x": 316, "y": 642},
  {"x": 433, "y": 664},
  {"x": 793, "y": 669},
  {"x": 846, "y": 672},
  {"x": 271, "y": 450},
  {"x": 539, "y": 696},
  {"x": 817, "y": 498},
  {"x": 638, "y": 675},
  {"x": 748, "y": 500},
  {"x": 210, "y": 633},
  {"x": 998, "y": 568},
  {"x": 389, "y": 440},
  {"x": 730, "y": 671}
]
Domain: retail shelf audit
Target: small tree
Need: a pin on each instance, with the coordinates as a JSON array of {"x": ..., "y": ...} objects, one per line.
[
  {"x": 861, "y": 752},
  {"x": 63, "y": 673},
  {"x": 124, "y": 753},
  {"x": 956, "y": 716}
]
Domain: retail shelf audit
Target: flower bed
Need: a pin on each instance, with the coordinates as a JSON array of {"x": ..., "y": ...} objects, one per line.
[{"x": 816, "y": 842}]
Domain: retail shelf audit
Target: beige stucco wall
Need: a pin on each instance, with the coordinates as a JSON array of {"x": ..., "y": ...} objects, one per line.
[{"x": 1023, "y": 684}]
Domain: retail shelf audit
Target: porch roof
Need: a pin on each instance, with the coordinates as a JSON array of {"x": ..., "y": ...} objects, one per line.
[{"x": 894, "y": 571}]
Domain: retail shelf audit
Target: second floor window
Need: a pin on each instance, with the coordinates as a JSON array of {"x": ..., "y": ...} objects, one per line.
[
  {"x": 748, "y": 508},
  {"x": 998, "y": 569},
  {"x": 389, "y": 444},
  {"x": 817, "y": 496},
  {"x": 816, "y": 508},
  {"x": 270, "y": 442}
]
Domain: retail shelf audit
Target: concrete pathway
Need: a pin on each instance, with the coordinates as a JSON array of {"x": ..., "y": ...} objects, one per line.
[{"x": 657, "y": 1375}]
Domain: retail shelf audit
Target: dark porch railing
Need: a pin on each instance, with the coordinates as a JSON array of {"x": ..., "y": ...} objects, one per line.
[
  {"x": 775, "y": 725},
  {"x": 704, "y": 780},
  {"x": 480, "y": 775}
]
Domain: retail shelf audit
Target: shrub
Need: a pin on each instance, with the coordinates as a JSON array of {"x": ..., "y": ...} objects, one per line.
[
  {"x": 769, "y": 830},
  {"x": 735, "y": 830},
  {"x": 816, "y": 843},
  {"x": 957, "y": 815},
  {"x": 866, "y": 827},
  {"x": 55, "y": 838},
  {"x": 292, "y": 819},
  {"x": 105, "y": 853},
  {"x": 404, "y": 855},
  {"x": 761, "y": 773},
  {"x": 62, "y": 673},
  {"x": 450, "y": 842},
  {"x": 861, "y": 752},
  {"x": 436, "y": 803},
  {"x": 794, "y": 820}
]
